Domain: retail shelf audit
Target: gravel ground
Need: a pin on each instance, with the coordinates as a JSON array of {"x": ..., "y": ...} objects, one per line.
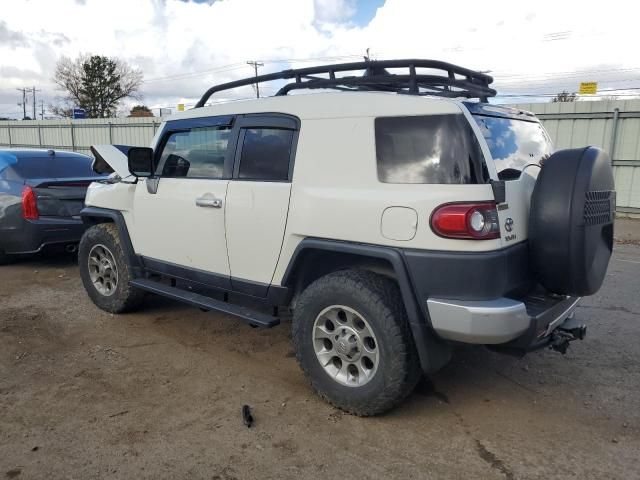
[{"x": 158, "y": 394}]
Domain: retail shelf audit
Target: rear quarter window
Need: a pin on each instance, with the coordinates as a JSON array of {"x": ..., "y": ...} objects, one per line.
[{"x": 434, "y": 149}]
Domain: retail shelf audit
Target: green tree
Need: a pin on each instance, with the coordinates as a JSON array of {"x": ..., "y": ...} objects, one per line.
[
  {"x": 140, "y": 111},
  {"x": 97, "y": 83}
]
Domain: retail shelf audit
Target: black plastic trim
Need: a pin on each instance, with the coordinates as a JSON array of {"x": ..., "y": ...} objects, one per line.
[
  {"x": 432, "y": 352},
  {"x": 470, "y": 275},
  {"x": 272, "y": 294},
  {"x": 185, "y": 273},
  {"x": 89, "y": 216}
]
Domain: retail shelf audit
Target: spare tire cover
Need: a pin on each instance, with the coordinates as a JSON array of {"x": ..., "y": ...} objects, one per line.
[{"x": 571, "y": 221}]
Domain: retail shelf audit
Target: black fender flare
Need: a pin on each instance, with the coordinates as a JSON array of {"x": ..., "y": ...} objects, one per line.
[
  {"x": 93, "y": 215},
  {"x": 433, "y": 353}
]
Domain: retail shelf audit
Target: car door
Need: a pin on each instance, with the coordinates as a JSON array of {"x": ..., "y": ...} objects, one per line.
[
  {"x": 179, "y": 216},
  {"x": 258, "y": 199}
]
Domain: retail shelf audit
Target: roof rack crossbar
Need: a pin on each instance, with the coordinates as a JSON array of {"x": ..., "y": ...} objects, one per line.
[{"x": 376, "y": 78}]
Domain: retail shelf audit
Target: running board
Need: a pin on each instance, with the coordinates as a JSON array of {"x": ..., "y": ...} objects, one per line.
[{"x": 251, "y": 316}]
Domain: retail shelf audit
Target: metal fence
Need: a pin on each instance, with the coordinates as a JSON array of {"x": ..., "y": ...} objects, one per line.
[
  {"x": 612, "y": 125},
  {"x": 78, "y": 135}
]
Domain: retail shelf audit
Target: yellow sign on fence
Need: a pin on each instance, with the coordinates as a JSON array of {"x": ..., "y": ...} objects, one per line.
[
  {"x": 588, "y": 88},
  {"x": 181, "y": 107}
]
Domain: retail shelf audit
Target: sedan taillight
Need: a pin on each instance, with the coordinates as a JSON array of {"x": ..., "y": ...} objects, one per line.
[
  {"x": 29, "y": 204},
  {"x": 471, "y": 221}
]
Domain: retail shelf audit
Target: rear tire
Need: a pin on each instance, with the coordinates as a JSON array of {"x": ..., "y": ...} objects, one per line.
[
  {"x": 105, "y": 272},
  {"x": 367, "y": 364}
]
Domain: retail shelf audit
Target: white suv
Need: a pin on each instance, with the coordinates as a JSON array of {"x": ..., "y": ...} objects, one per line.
[{"x": 396, "y": 220}]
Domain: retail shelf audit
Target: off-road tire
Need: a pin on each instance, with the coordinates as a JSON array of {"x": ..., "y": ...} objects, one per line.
[
  {"x": 125, "y": 298},
  {"x": 378, "y": 300}
]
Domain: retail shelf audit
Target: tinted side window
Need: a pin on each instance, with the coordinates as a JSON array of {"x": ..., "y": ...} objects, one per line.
[
  {"x": 428, "y": 149},
  {"x": 195, "y": 153},
  {"x": 265, "y": 154}
]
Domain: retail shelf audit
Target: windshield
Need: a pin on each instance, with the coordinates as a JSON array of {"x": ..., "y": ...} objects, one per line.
[{"x": 514, "y": 143}]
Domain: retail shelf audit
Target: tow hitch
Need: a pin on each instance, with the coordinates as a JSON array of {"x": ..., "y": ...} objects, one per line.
[{"x": 569, "y": 331}]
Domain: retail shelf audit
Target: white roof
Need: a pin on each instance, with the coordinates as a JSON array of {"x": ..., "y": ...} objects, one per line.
[{"x": 331, "y": 105}]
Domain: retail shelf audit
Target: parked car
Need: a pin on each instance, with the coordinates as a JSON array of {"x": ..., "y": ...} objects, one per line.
[
  {"x": 397, "y": 220},
  {"x": 41, "y": 195}
]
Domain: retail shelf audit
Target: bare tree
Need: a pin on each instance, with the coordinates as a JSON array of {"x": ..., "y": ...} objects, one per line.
[
  {"x": 564, "y": 96},
  {"x": 97, "y": 83},
  {"x": 61, "y": 110}
]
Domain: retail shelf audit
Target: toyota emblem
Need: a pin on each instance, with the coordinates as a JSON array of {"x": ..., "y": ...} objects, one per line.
[{"x": 508, "y": 224}]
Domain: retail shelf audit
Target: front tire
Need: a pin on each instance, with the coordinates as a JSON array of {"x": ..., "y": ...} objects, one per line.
[
  {"x": 352, "y": 340},
  {"x": 104, "y": 270}
]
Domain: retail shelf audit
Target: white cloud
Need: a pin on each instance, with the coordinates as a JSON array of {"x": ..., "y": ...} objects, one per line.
[
  {"x": 333, "y": 11},
  {"x": 530, "y": 47}
]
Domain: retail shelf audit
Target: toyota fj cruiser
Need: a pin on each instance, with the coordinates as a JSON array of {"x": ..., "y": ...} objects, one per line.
[{"x": 396, "y": 218}]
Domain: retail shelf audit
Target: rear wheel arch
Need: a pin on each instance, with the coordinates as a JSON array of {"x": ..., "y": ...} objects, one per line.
[{"x": 315, "y": 258}]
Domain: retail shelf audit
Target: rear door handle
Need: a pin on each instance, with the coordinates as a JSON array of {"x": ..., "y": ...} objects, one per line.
[{"x": 209, "y": 202}]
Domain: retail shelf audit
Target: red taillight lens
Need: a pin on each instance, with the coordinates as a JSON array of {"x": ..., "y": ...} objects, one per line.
[
  {"x": 472, "y": 221},
  {"x": 29, "y": 204}
]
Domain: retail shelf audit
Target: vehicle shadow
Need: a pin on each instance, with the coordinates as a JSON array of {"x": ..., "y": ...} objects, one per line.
[{"x": 48, "y": 258}]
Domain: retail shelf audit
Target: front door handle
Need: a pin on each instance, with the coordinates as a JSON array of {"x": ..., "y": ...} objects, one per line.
[{"x": 209, "y": 201}]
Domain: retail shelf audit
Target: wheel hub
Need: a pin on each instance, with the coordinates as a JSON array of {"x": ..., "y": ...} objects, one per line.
[
  {"x": 103, "y": 270},
  {"x": 345, "y": 346},
  {"x": 348, "y": 344}
]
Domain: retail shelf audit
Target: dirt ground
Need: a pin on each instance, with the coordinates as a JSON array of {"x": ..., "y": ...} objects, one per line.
[{"x": 158, "y": 394}]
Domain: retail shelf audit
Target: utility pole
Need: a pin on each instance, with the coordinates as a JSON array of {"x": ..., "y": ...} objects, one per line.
[
  {"x": 24, "y": 102},
  {"x": 255, "y": 66},
  {"x": 41, "y": 109},
  {"x": 34, "y": 102}
]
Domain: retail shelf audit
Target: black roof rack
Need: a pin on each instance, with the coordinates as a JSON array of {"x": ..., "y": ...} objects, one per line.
[{"x": 455, "y": 81}]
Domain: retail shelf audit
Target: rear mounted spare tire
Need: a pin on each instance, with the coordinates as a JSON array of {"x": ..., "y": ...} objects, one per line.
[{"x": 571, "y": 221}]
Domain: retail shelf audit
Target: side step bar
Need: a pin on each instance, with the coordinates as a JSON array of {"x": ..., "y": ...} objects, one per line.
[{"x": 253, "y": 317}]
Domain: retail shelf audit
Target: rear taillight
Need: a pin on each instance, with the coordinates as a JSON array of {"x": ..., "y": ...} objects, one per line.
[
  {"x": 29, "y": 205},
  {"x": 472, "y": 221}
]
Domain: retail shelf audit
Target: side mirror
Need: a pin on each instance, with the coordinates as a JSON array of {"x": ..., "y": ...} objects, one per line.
[{"x": 140, "y": 161}]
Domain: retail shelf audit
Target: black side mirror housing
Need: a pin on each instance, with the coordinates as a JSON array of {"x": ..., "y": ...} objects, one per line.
[{"x": 140, "y": 161}]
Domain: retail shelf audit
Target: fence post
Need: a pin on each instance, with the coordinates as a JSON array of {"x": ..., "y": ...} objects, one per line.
[
  {"x": 39, "y": 136},
  {"x": 9, "y": 132},
  {"x": 614, "y": 132},
  {"x": 73, "y": 138},
  {"x": 110, "y": 134}
]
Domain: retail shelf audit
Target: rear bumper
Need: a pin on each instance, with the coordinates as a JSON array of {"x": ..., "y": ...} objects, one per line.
[
  {"x": 34, "y": 235},
  {"x": 489, "y": 298},
  {"x": 520, "y": 324}
]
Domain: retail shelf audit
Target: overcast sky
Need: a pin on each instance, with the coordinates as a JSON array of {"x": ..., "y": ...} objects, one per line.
[{"x": 183, "y": 47}]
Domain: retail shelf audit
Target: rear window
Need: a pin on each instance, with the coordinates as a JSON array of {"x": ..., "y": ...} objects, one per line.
[
  {"x": 428, "y": 149},
  {"x": 69, "y": 167},
  {"x": 514, "y": 144},
  {"x": 45, "y": 166},
  {"x": 31, "y": 167}
]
